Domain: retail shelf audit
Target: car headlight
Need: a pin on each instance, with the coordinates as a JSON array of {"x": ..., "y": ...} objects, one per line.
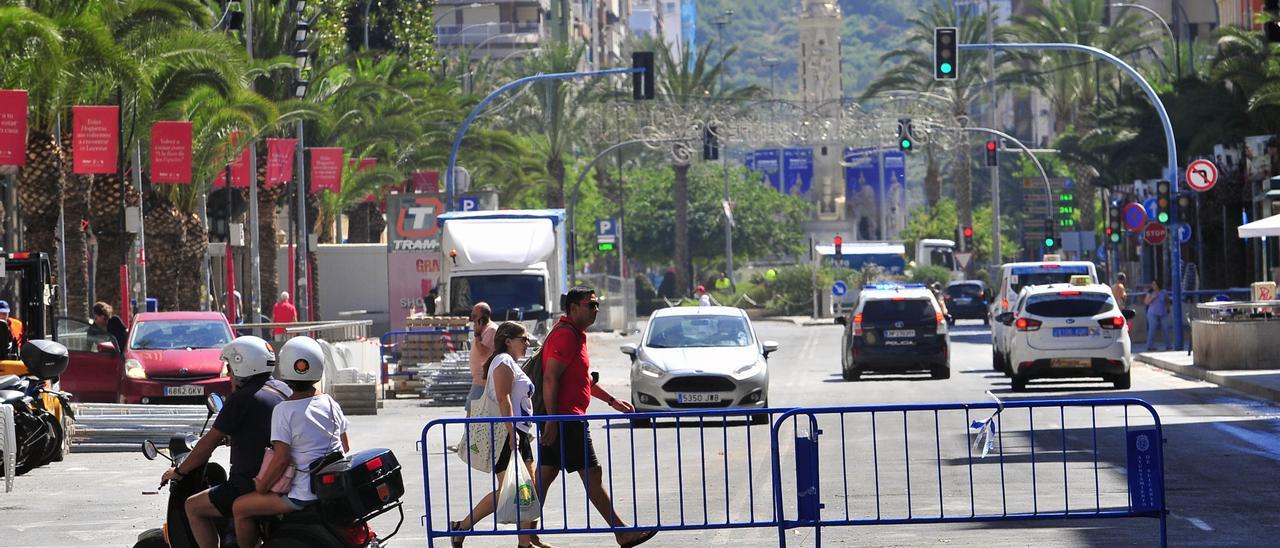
[
  {"x": 133, "y": 369},
  {"x": 749, "y": 370},
  {"x": 651, "y": 370}
]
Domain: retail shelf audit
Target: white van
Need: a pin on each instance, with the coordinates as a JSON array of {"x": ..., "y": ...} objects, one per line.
[{"x": 1015, "y": 276}]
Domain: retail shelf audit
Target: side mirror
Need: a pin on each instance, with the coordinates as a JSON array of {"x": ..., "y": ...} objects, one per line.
[
  {"x": 106, "y": 347},
  {"x": 1005, "y": 318},
  {"x": 629, "y": 349},
  {"x": 1128, "y": 313},
  {"x": 770, "y": 347},
  {"x": 213, "y": 403},
  {"x": 840, "y": 320},
  {"x": 149, "y": 450}
]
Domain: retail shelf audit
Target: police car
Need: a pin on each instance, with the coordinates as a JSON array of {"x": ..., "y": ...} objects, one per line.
[
  {"x": 1068, "y": 330},
  {"x": 895, "y": 328}
]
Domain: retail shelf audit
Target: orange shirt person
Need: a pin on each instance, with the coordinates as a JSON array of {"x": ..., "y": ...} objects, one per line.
[{"x": 15, "y": 325}]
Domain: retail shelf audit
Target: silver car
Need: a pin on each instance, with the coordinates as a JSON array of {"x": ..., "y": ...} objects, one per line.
[{"x": 702, "y": 357}]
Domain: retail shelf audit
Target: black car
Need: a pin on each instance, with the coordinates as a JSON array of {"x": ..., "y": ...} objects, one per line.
[
  {"x": 967, "y": 300},
  {"x": 895, "y": 330}
]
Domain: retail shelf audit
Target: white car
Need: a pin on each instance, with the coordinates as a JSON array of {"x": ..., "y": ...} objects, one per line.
[
  {"x": 700, "y": 357},
  {"x": 1068, "y": 330},
  {"x": 1013, "y": 277}
]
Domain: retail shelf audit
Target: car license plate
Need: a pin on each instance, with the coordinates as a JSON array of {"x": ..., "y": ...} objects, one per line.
[
  {"x": 963, "y": 300},
  {"x": 1069, "y": 362},
  {"x": 899, "y": 333},
  {"x": 697, "y": 398},
  {"x": 184, "y": 390},
  {"x": 1071, "y": 331}
]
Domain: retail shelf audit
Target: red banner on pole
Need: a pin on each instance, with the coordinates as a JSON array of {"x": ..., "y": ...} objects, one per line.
[
  {"x": 326, "y": 169},
  {"x": 425, "y": 182},
  {"x": 239, "y": 167},
  {"x": 13, "y": 127},
  {"x": 171, "y": 152},
  {"x": 95, "y": 139},
  {"x": 280, "y": 160}
]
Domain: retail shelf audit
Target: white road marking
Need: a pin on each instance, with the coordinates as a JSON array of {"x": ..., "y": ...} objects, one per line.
[
  {"x": 1200, "y": 524},
  {"x": 1264, "y": 444}
]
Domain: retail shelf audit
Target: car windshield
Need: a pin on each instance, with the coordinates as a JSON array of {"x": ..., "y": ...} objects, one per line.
[
  {"x": 510, "y": 296},
  {"x": 1043, "y": 276},
  {"x": 897, "y": 309},
  {"x": 171, "y": 334},
  {"x": 965, "y": 290},
  {"x": 1062, "y": 305},
  {"x": 698, "y": 332}
]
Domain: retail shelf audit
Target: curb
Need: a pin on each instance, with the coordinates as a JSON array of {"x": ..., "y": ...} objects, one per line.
[{"x": 1232, "y": 382}]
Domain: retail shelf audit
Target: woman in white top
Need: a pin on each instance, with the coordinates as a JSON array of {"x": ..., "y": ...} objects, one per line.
[
  {"x": 304, "y": 429},
  {"x": 508, "y": 386}
]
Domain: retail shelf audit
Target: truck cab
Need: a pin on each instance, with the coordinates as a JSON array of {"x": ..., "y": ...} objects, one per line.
[{"x": 514, "y": 260}]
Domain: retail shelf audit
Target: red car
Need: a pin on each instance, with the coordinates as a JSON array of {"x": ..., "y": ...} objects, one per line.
[{"x": 169, "y": 357}]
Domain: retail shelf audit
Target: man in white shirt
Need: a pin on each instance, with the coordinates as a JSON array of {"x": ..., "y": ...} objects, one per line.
[
  {"x": 481, "y": 348},
  {"x": 703, "y": 298}
]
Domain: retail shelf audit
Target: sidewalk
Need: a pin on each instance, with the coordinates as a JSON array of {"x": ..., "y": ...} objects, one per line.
[
  {"x": 1259, "y": 383},
  {"x": 798, "y": 320}
]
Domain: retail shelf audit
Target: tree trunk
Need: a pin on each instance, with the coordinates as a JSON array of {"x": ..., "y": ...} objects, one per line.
[
  {"x": 40, "y": 191},
  {"x": 555, "y": 191},
  {"x": 366, "y": 223},
  {"x": 680, "y": 196},
  {"x": 268, "y": 248},
  {"x": 106, "y": 219},
  {"x": 964, "y": 186},
  {"x": 195, "y": 244},
  {"x": 75, "y": 210},
  {"x": 932, "y": 181}
]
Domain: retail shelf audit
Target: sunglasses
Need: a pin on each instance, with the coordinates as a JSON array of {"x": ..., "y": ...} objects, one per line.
[
  {"x": 524, "y": 338},
  {"x": 595, "y": 305}
]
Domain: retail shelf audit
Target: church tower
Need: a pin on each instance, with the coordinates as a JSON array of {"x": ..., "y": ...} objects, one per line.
[{"x": 821, "y": 89}]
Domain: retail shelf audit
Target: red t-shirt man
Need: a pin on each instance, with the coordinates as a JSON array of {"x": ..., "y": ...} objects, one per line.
[{"x": 283, "y": 312}]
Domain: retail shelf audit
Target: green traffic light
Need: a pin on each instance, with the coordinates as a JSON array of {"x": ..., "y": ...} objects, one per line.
[
  {"x": 1048, "y": 242},
  {"x": 945, "y": 68},
  {"x": 906, "y": 144},
  {"x": 1162, "y": 217},
  {"x": 1115, "y": 238}
]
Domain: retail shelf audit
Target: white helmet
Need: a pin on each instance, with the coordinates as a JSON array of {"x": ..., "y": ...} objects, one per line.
[
  {"x": 301, "y": 359},
  {"x": 248, "y": 356}
]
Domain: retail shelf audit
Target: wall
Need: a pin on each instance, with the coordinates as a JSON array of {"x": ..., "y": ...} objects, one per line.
[{"x": 352, "y": 277}]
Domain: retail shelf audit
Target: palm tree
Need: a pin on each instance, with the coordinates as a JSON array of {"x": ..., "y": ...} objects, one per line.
[
  {"x": 911, "y": 68},
  {"x": 689, "y": 84}
]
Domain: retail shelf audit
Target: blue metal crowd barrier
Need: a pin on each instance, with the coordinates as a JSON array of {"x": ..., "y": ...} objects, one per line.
[
  {"x": 673, "y": 472},
  {"x": 961, "y": 488}
]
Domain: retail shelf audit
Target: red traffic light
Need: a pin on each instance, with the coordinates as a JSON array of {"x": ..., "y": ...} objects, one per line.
[
  {"x": 839, "y": 240},
  {"x": 991, "y": 146},
  {"x": 968, "y": 232}
]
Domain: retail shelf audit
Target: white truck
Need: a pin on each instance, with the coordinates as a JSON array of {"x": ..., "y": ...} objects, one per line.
[{"x": 515, "y": 260}]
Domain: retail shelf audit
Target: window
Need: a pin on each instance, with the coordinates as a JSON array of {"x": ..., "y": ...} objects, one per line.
[
  {"x": 174, "y": 334},
  {"x": 698, "y": 332},
  {"x": 510, "y": 296},
  {"x": 1023, "y": 278},
  {"x": 965, "y": 290},
  {"x": 906, "y": 309},
  {"x": 1061, "y": 306}
]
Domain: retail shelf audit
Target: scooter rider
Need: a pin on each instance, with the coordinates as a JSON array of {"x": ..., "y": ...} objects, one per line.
[{"x": 246, "y": 419}]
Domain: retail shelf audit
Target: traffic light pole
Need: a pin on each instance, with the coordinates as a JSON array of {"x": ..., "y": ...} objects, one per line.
[
  {"x": 1048, "y": 191},
  {"x": 1171, "y": 150}
]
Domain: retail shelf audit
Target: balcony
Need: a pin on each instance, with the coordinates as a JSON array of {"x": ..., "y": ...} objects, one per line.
[{"x": 497, "y": 34}]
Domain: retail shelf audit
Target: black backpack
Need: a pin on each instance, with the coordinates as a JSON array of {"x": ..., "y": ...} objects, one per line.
[{"x": 533, "y": 369}]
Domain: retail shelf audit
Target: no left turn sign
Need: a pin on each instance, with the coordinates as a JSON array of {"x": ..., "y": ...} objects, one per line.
[{"x": 1202, "y": 175}]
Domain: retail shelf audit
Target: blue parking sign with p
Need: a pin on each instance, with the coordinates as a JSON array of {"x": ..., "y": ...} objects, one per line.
[
  {"x": 606, "y": 227},
  {"x": 469, "y": 203}
]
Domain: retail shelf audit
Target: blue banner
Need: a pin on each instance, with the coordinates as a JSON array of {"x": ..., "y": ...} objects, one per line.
[
  {"x": 769, "y": 163},
  {"x": 874, "y": 195},
  {"x": 797, "y": 171}
]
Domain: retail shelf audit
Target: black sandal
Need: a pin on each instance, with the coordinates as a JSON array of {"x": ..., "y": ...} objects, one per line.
[
  {"x": 456, "y": 542},
  {"x": 643, "y": 538}
]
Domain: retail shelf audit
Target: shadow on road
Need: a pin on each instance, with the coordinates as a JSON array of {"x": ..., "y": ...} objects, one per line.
[{"x": 883, "y": 377}]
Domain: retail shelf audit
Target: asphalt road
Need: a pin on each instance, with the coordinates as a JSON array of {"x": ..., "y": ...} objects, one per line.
[{"x": 1221, "y": 465}]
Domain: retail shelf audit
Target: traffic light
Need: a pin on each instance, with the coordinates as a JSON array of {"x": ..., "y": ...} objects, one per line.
[
  {"x": 1050, "y": 242},
  {"x": 992, "y": 159},
  {"x": 1184, "y": 203},
  {"x": 710, "y": 143},
  {"x": 945, "y": 61},
  {"x": 839, "y": 254},
  {"x": 906, "y": 142},
  {"x": 1113, "y": 223},
  {"x": 1163, "y": 201},
  {"x": 642, "y": 83},
  {"x": 968, "y": 238}
]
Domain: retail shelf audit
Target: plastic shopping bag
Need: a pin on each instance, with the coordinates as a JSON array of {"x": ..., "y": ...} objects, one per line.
[{"x": 517, "y": 500}]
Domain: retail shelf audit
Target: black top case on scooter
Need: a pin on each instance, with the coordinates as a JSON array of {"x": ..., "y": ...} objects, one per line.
[{"x": 359, "y": 487}]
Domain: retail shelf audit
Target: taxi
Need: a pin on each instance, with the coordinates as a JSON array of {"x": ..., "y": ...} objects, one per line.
[{"x": 1066, "y": 330}]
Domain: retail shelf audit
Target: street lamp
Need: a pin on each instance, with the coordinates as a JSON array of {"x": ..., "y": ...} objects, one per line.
[
  {"x": 1177, "y": 64},
  {"x": 771, "y": 62},
  {"x": 492, "y": 38},
  {"x": 725, "y": 18}
]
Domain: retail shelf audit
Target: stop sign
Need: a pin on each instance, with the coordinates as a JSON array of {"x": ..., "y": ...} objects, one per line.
[{"x": 1155, "y": 233}]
